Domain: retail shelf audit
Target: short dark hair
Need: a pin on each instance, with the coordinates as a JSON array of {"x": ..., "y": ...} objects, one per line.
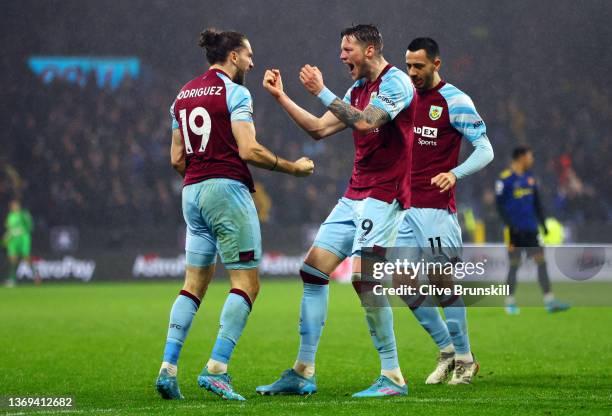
[
  {"x": 431, "y": 47},
  {"x": 218, "y": 45},
  {"x": 520, "y": 151},
  {"x": 366, "y": 34}
]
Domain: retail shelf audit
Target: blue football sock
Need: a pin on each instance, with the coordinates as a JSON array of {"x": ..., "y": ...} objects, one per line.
[
  {"x": 233, "y": 320},
  {"x": 430, "y": 319},
  {"x": 313, "y": 312},
  {"x": 456, "y": 321},
  {"x": 184, "y": 309},
  {"x": 379, "y": 317},
  {"x": 380, "y": 322}
]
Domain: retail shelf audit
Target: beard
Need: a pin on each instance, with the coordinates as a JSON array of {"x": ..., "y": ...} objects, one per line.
[
  {"x": 240, "y": 77},
  {"x": 428, "y": 81}
]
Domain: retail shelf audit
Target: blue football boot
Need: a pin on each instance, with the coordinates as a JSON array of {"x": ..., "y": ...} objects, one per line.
[
  {"x": 512, "y": 309},
  {"x": 383, "y": 387},
  {"x": 220, "y": 384},
  {"x": 290, "y": 382},
  {"x": 167, "y": 386},
  {"x": 556, "y": 306}
]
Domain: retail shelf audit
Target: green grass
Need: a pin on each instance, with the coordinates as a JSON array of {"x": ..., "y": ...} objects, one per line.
[{"x": 102, "y": 344}]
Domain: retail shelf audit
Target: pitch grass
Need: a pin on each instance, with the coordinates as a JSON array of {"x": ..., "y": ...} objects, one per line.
[{"x": 102, "y": 344}]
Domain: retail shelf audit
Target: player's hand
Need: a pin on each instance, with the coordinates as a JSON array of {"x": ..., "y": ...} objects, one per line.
[
  {"x": 444, "y": 181},
  {"x": 273, "y": 83},
  {"x": 303, "y": 167},
  {"x": 312, "y": 79}
]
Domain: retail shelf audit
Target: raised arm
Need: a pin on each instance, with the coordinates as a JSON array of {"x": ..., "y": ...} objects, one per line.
[
  {"x": 372, "y": 117},
  {"x": 317, "y": 127},
  {"x": 252, "y": 152}
]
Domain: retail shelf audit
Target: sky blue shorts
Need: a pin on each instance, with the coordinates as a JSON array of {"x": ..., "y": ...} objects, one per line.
[
  {"x": 221, "y": 217},
  {"x": 354, "y": 224},
  {"x": 434, "y": 231}
]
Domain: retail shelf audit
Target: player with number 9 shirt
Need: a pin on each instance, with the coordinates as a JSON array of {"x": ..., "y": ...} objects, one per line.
[
  {"x": 213, "y": 139},
  {"x": 376, "y": 108}
]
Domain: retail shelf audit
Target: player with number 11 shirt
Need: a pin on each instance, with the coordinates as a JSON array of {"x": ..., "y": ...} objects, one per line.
[
  {"x": 213, "y": 139},
  {"x": 442, "y": 116}
]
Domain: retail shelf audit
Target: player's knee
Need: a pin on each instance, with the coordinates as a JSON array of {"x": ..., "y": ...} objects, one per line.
[
  {"x": 253, "y": 289},
  {"x": 312, "y": 275},
  {"x": 539, "y": 258},
  {"x": 198, "y": 289}
]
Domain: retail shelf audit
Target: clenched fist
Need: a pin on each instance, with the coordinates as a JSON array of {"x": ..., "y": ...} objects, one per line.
[
  {"x": 273, "y": 83},
  {"x": 312, "y": 79}
]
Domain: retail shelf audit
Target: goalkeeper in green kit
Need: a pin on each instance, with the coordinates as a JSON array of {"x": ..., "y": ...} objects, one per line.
[{"x": 17, "y": 238}]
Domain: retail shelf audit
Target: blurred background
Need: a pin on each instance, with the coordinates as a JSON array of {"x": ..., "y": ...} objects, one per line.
[{"x": 86, "y": 88}]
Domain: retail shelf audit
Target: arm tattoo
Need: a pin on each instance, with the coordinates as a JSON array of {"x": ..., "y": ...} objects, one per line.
[{"x": 349, "y": 115}]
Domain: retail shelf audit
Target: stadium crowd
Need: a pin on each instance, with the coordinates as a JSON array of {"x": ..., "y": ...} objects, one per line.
[
  {"x": 99, "y": 156},
  {"x": 88, "y": 154}
]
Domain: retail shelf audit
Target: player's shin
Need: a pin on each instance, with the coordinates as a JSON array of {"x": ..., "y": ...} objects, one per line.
[
  {"x": 456, "y": 321},
  {"x": 427, "y": 314},
  {"x": 313, "y": 314},
  {"x": 379, "y": 318},
  {"x": 183, "y": 311},
  {"x": 430, "y": 319},
  {"x": 543, "y": 278},
  {"x": 234, "y": 316}
]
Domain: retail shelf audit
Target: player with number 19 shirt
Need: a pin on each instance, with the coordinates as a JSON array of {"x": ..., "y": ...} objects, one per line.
[
  {"x": 210, "y": 148},
  {"x": 213, "y": 139}
]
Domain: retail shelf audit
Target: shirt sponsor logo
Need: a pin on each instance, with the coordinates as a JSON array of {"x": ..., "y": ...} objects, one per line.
[
  {"x": 478, "y": 124},
  {"x": 425, "y": 131},
  {"x": 198, "y": 92},
  {"x": 435, "y": 112},
  {"x": 427, "y": 142}
]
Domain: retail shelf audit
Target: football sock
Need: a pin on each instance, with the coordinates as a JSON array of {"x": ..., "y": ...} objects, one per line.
[
  {"x": 548, "y": 297},
  {"x": 466, "y": 358},
  {"x": 543, "y": 278},
  {"x": 430, "y": 319},
  {"x": 511, "y": 280},
  {"x": 183, "y": 311},
  {"x": 380, "y": 322},
  {"x": 313, "y": 314},
  {"x": 456, "y": 321},
  {"x": 232, "y": 322},
  {"x": 171, "y": 368},
  {"x": 394, "y": 375},
  {"x": 379, "y": 318},
  {"x": 304, "y": 369},
  {"x": 216, "y": 367},
  {"x": 448, "y": 348}
]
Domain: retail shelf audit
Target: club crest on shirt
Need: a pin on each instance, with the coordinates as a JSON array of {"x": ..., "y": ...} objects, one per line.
[
  {"x": 373, "y": 96},
  {"x": 435, "y": 112}
]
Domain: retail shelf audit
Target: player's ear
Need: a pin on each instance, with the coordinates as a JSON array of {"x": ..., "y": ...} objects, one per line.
[{"x": 437, "y": 63}]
